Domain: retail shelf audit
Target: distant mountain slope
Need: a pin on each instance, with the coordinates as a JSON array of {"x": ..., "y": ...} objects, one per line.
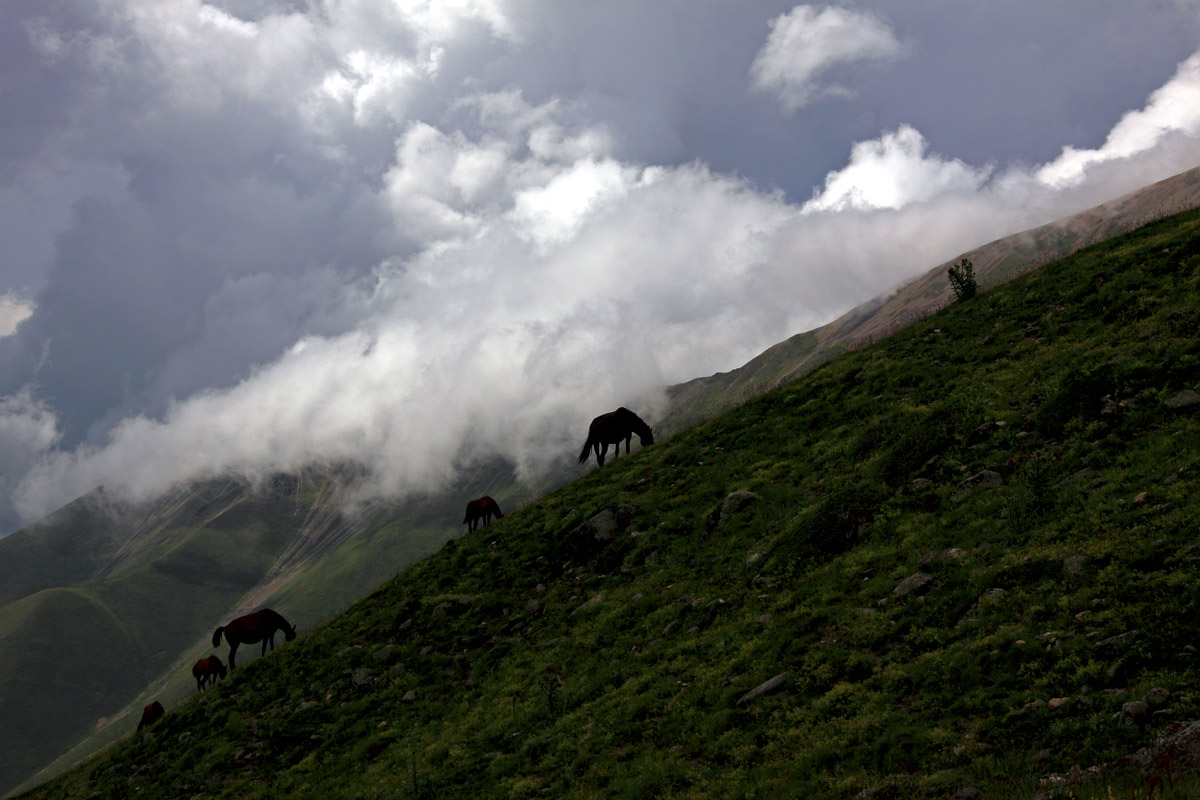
[
  {"x": 100, "y": 597},
  {"x": 995, "y": 263},
  {"x": 165, "y": 573}
]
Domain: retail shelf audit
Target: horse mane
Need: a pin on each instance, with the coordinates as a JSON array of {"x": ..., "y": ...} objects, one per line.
[{"x": 638, "y": 425}]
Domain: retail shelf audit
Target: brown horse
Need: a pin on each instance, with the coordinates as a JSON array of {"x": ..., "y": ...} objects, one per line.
[
  {"x": 612, "y": 428},
  {"x": 257, "y": 627},
  {"x": 207, "y": 670},
  {"x": 484, "y": 508},
  {"x": 151, "y": 714}
]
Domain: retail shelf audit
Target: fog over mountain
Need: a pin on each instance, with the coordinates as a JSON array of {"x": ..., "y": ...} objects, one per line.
[{"x": 251, "y": 235}]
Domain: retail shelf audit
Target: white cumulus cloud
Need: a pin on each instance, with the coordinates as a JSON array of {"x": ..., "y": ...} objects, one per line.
[
  {"x": 891, "y": 172},
  {"x": 807, "y": 42},
  {"x": 1172, "y": 109}
]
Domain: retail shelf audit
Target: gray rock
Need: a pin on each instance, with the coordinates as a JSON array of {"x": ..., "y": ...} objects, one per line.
[
  {"x": 1157, "y": 697},
  {"x": 384, "y": 653},
  {"x": 1134, "y": 713},
  {"x": 991, "y": 597},
  {"x": 410, "y": 696},
  {"x": 937, "y": 557},
  {"x": 969, "y": 793},
  {"x": 764, "y": 688},
  {"x": 914, "y": 584},
  {"x": 362, "y": 676},
  {"x": 732, "y": 504},
  {"x": 988, "y": 479},
  {"x": 1073, "y": 565},
  {"x": 1188, "y": 397},
  {"x": 1113, "y": 641}
]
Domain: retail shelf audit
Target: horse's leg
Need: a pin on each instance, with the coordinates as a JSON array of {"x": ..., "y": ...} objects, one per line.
[
  {"x": 233, "y": 646},
  {"x": 628, "y": 439},
  {"x": 601, "y": 452}
]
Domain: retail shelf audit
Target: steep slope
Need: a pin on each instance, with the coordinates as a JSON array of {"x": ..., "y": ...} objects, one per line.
[
  {"x": 151, "y": 578},
  {"x": 994, "y": 263},
  {"x": 962, "y": 556},
  {"x": 175, "y": 568}
]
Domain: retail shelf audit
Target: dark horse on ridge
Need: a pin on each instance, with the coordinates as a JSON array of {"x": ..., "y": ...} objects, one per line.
[
  {"x": 611, "y": 428},
  {"x": 484, "y": 509},
  {"x": 257, "y": 627}
]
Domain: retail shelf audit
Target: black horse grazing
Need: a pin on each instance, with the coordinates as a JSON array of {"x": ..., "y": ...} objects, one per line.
[
  {"x": 151, "y": 714},
  {"x": 482, "y": 509},
  {"x": 207, "y": 670},
  {"x": 611, "y": 428},
  {"x": 257, "y": 627}
]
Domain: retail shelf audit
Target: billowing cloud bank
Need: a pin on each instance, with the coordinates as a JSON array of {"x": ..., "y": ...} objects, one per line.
[{"x": 295, "y": 246}]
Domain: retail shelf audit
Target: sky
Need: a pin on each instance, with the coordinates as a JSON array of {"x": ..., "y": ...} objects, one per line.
[{"x": 252, "y": 235}]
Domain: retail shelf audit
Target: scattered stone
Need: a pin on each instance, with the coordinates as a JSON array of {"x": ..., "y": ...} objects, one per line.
[
  {"x": 1058, "y": 702},
  {"x": 384, "y": 653},
  {"x": 936, "y": 557},
  {"x": 410, "y": 696},
  {"x": 733, "y": 503},
  {"x": 362, "y": 676},
  {"x": 991, "y": 597},
  {"x": 988, "y": 479},
  {"x": 1032, "y": 705},
  {"x": 914, "y": 584},
  {"x": 1073, "y": 565},
  {"x": 1158, "y": 696},
  {"x": 427, "y": 649},
  {"x": 764, "y": 688},
  {"x": 694, "y": 629},
  {"x": 541, "y": 587},
  {"x": 753, "y": 558},
  {"x": 533, "y": 606},
  {"x": 981, "y": 433},
  {"x": 1188, "y": 397},
  {"x": 594, "y": 601},
  {"x": 765, "y": 618},
  {"x": 1120, "y": 638},
  {"x": 1140, "y": 498},
  {"x": 1134, "y": 712},
  {"x": 969, "y": 793}
]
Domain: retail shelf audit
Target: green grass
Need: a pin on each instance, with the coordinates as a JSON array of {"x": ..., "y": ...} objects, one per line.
[{"x": 532, "y": 659}]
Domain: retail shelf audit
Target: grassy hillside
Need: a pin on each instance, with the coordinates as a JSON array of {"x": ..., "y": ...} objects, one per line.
[
  {"x": 965, "y": 556},
  {"x": 173, "y": 571}
]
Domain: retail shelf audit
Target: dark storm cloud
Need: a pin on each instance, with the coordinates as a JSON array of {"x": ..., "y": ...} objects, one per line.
[{"x": 416, "y": 233}]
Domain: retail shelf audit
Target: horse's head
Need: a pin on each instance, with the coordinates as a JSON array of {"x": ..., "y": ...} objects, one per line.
[
  {"x": 289, "y": 634},
  {"x": 222, "y": 670},
  {"x": 646, "y": 435}
]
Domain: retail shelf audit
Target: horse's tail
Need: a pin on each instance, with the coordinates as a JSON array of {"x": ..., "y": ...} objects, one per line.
[
  {"x": 217, "y": 636},
  {"x": 587, "y": 449}
]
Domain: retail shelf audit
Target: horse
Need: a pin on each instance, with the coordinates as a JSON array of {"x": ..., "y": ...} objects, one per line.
[
  {"x": 151, "y": 714},
  {"x": 484, "y": 508},
  {"x": 257, "y": 627},
  {"x": 207, "y": 670},
  {"x": 611, "y": 428}
]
